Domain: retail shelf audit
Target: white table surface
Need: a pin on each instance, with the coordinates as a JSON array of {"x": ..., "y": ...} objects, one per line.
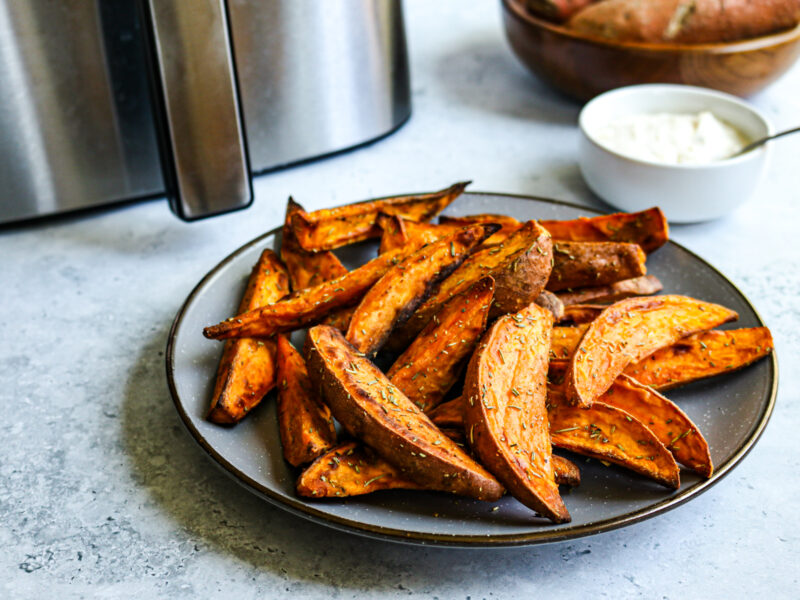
[{"x": 103, "y": 493}]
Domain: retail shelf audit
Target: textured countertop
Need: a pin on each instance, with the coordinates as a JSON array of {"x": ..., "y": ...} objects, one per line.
[{"x": 104, "y": 494}]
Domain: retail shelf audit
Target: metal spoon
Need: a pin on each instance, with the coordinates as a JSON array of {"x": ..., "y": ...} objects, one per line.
[{"x": 757, "y": 143}]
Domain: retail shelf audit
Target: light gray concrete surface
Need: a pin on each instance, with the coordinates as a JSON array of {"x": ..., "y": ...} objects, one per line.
[{"x": 104, "y": 495}]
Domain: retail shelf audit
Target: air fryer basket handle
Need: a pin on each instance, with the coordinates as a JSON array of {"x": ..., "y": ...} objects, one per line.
[{"x": 207, "y": 163}]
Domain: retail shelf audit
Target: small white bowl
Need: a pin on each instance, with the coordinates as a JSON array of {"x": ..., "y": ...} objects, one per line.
[{"x": 686, "y": 193}]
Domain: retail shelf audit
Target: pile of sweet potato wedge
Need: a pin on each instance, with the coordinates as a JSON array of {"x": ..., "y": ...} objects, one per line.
[{"x": 500, "y": 341}]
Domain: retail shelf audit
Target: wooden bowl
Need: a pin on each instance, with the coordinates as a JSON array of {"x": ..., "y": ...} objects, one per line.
[{"x": 583, "y": 67}]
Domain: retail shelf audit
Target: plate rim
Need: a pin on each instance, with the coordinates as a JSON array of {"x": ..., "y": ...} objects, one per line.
[{"x": 545, "y": 536}]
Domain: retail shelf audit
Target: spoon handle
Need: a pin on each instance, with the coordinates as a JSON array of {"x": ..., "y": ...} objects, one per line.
[{"x": 762, "y": 141}]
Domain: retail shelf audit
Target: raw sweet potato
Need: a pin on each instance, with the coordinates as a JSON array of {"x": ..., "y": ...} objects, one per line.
[
  {"x": 374, "y": 410},
  {"x": 405, "y": 286},
  {"x": 647, "y": 228},
  {"x": 630, "y": 330},
  {"x": 351, "y": 469},
  {"x": 247, "y": 369},
  {"x": 557, "y": 11},
  {"x": 612, "y": 435},
  {"x": 638, "y": 286},
  {"x": 304, "y": 423},
  {"x": 519, "y": 266},
  {"x": 308, "y": 305},
  {"x": 661, "y": 416},
  {"x": 306, "y": 269},
  {"x": 702, "y": 355},
  {"x": 505, "y": 413},
  {"x": 430, "y": 366},
  {"x": 334, "y": 227},
  {"x": 581, "y": 264},
  {"x": 685, "y": 21}
]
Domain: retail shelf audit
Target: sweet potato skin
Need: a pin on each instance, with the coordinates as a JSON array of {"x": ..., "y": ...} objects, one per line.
[
  {"x": 685, "y": 21},
  {"x": 580, "y": 314},
  {"x": 308, "y": 305},
  {"x": 304, "y": 423},
  {"x": 372, "y": 409},
  {"x": 508, "y": 225},
  {"x": 397, "y": 294},
  {"x": 630, "y": 330},
  {"x": 398, "y": 232},
  {"x": 645, "y": 285},
  {"x": 648, "y": 229},
  {"x": 519, "y": 266},
  {"x": 661, "y": 416},
  {"x": 702, "y": 355},
  {"x": 306, "y": 269},
  {"x": 552, "y": 303},
  {"x": 505, "y": 413},
  {"x": 557, "y": 11},
  {"x": 246, "y": 371},
  {"x": 350, "y": 469},
  {"x": 580, "y": 264},
  {"x": 335, "y": 227},
  {"x": 430, "y": 366}
]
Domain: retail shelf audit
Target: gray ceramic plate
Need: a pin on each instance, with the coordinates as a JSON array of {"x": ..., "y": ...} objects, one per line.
[{"x": 731, "y": 411}]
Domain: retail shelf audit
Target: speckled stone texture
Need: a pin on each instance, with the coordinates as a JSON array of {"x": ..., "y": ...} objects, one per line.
[{"x": 104, "y": 495}]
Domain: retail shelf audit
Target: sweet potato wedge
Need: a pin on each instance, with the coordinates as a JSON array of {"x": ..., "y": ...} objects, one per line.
[
  {"x": 630, "y": 330},
  {"x": 334, "y": 227},
  {"x": 505, "y": 413},
  {"x": 308, "y": 305},
  {"x": 552, "y": 303},
  {"x": 430, "y": 366},
  {"x": 557, "y": 11},
  {"x": 405, "y": 286},
  {"x": 306, "y": 269},
  {"x": 508, "y": 225},
  {"x": 663, "y": 417},
  {"x": 350, "y": 469},
  {"x": 565, "y": 471},
  {"x": 580, "y": 314},
  {"x": 519, "y": 266},
  {"x": 645, "y": 285},
  {"x": 702, "y": 355},
  {"x": 374, "y": 410},
  {"x": 304, "y": 423},
  {"x": 581, "y": 264},
  {"x": 398, "y": 232},
  {"x": 247, "y": 369},
  {"x": 647, "y": 228},
  {"x": 612, "y": 435},
  {"x": 564, "y": 340}
]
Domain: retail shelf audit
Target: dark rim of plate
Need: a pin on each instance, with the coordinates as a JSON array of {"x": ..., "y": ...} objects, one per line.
[{"x": 541, "y": 536}]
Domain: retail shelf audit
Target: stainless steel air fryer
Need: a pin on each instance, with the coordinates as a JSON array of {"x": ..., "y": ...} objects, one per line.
[{"x": 104, "y": 101}]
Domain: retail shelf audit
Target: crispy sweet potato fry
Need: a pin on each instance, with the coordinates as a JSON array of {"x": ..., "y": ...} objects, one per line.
[
  {"x": 630, "y": 330},
  {"x": 350, "y": 469},
  {"x": 398, "y": 232},
  {"x": 702, "y": 355},
  {"x": 374, "y": 410},
  {"x": 508, "y": 225},
  {"x": 611, "y": 434},
  {"x": 580, "y": 264},
  {"x": 247, "y": 369},
  {"x": 308, "y": 305},
  {"x": 405, "y": 286},
  {"x": 564, "y": 341},
  {"x": 306, "y": 269},
  {"x": 580, "y": 314},
  {"x": 331, "y": 228},
  {"x": 505, "y": 414},
  {"x": 430, "y": 366},
  {"x": 448, "y": 415},
  {"x": 647, "y": 228},
  {"x": 304, "y": 423},
  {"x": 637, "y": 286},
  {"x": 519, "y": 266},
  {"x": 661, "y": 416}
]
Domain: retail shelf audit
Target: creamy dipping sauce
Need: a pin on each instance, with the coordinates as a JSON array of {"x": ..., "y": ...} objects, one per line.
[{"x": 672, "y": 138}]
